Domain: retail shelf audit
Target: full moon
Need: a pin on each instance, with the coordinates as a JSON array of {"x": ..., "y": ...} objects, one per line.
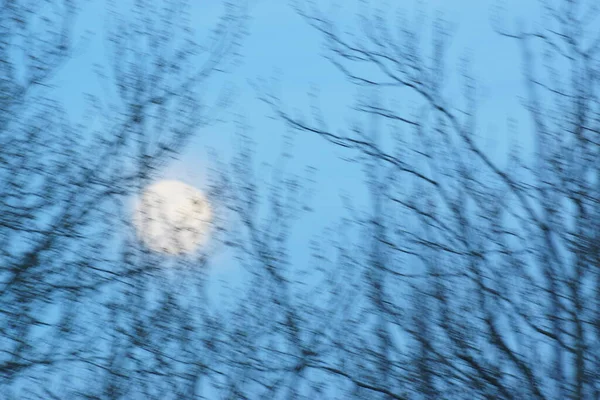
[{"x": 172, "y": 217}]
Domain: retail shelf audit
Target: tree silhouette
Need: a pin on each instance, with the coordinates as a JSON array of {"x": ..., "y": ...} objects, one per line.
[
  {"x": 476, "y": 280},
  {"x": 458, "y": 278},
  {"x": 78, "y": 292}
]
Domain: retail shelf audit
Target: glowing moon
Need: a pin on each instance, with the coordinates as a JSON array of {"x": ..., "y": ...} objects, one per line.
[{"x": 172, "y": 217}]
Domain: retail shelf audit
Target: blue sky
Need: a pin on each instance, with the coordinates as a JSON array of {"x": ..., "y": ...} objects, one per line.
[
  {"x": 282, "y": 47},
  {"x": 281, "y": 44}
]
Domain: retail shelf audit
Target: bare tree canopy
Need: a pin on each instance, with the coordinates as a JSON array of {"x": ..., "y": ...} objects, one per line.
[{"x": 458, "y": 276}]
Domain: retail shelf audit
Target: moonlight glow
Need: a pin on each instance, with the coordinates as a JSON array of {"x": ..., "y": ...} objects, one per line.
[{"x": 172, "y": 217}]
